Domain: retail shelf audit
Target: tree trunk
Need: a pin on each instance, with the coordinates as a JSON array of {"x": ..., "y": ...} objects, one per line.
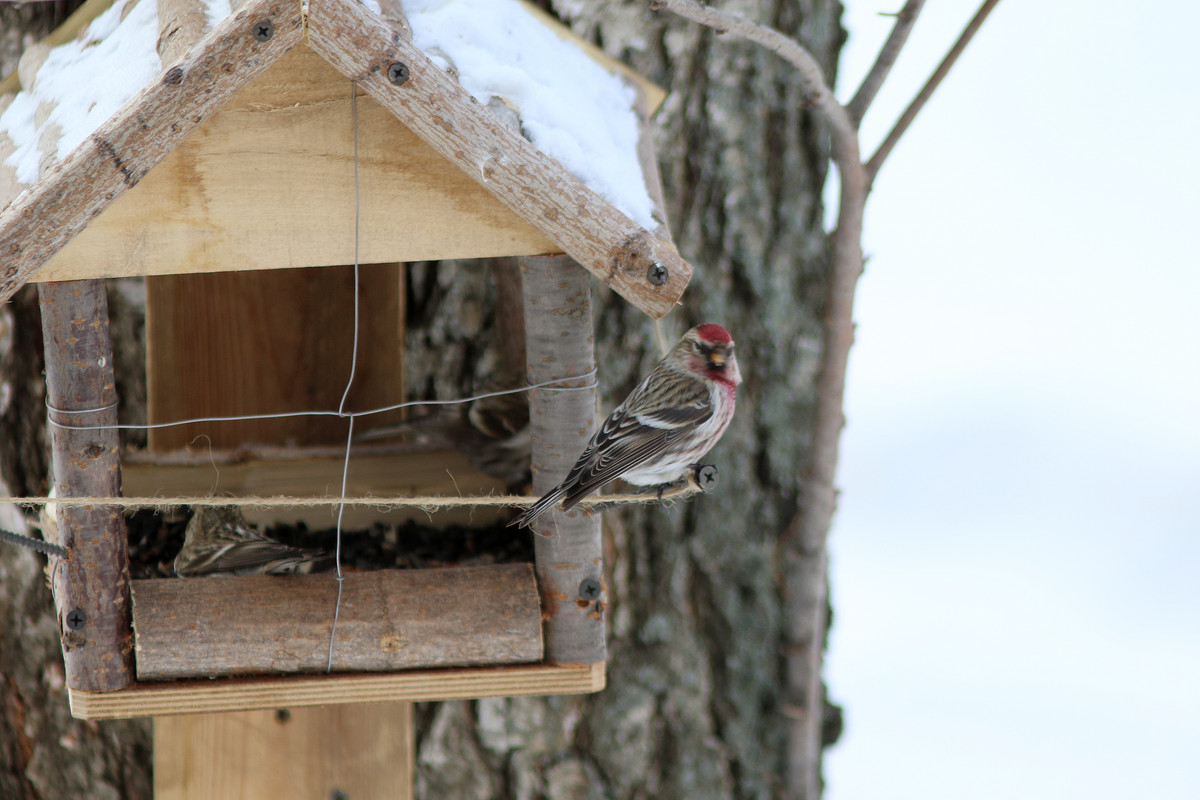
[{"x": 694, "y": 704}]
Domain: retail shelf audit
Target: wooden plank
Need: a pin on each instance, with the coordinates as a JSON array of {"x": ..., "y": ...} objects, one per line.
[
  {"x": 364, "y": 750},
  {"x": 387, "y": 620},
  {"x": 126, "y": 147},
  {"x": 427, "y": 473},
  {"x": 539, "y": 189},
  {"x": 558, "y": 343},
  {"x": 91, "y": 587},
  {"x": 242, "y": 694},
  {"x": 267, "y": 182},
  {"x": 271, "y": 342}
]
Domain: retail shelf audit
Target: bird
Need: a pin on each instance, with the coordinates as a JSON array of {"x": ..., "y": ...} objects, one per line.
[
  {"x": 671, "y": 419},
  {"x": 219, "y": 541}
]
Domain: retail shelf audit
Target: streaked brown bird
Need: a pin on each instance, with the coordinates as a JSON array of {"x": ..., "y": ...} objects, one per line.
[
  {"x": 670, "y": 419},
  {"x": 219, "y": 541}
]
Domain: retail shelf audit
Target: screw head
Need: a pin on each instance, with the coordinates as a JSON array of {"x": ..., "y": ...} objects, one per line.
[
  {"x": 706, "y": 477},
  {"x": 76, "y": 619},
  {"x": 657, "y": 274},
  {"x": 264, "y": 30},
  {"x": 590, "y": 589},
  {"x": 398, "y": 73}
]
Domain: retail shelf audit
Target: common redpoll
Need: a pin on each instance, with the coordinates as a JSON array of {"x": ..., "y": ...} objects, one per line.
[
  {"x": 671, "y": 419},
  {"x": 219, "y": 541}
]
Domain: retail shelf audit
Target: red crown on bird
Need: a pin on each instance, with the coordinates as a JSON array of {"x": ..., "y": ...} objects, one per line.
[{"x": 714, "y": 334}]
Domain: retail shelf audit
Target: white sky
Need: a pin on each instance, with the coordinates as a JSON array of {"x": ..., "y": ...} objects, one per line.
[{"x": 1016, "y": 565}]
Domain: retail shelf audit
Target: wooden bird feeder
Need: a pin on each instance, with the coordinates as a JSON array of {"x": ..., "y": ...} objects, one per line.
[{"x": 229, "y": 182}]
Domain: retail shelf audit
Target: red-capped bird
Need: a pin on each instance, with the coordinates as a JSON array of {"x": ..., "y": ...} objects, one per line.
[{"x": 669, "y": 421}]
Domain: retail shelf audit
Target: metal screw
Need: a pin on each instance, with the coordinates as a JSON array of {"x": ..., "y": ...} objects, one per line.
[
  {"x": 264, "y": 30},
  {"x": 706, "y": 477},
  {"x": 589, "y": 589},
  {"x": 398, "y": 73},
  {"x": 76, "y": 619},
  {"x": 657, "y": 274}
]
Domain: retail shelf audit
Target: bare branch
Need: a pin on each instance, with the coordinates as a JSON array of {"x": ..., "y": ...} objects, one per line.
[
  {"x": 819, "y": 95},
  {"x": 910, "y": 113},
  {"x": 905, "y": 20}
]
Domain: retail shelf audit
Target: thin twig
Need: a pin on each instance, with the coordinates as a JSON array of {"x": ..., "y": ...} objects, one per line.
[
  {"x": 906, "y": 119},
  {"x": 905, "y": 20}
]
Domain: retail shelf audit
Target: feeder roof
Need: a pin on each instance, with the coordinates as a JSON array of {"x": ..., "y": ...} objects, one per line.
[{"x": 90, "y": 95}]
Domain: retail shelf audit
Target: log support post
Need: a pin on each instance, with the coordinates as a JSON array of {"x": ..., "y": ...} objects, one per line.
[
  {"x": 559, "y": 344},
  {"x": 91, "y": 586}
]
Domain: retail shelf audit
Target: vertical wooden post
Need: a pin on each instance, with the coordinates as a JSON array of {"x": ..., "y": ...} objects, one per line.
[
  {"x": 559, "y": 344},
  {"x": 289, "y": 336},
  {"x": 91, "y": 587}
]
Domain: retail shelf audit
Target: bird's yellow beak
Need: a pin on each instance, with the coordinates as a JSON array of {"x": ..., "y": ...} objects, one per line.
[{"x": 717, "y": 359}]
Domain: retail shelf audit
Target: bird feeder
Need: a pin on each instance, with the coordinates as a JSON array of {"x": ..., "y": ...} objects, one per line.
[{"x": 229, "y": 182}]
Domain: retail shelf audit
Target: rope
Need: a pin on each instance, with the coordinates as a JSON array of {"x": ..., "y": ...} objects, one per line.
[{"x": 284, "y": 501}]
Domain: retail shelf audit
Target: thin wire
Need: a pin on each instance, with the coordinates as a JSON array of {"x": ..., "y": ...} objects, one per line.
[
  {"x": 108, "y": 407},
  {"x": 546, "y": 386},
  {"x": 337, "y": 551}
]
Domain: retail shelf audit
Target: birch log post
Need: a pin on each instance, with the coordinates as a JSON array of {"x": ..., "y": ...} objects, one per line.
[
  {"x": 91, "y": 587},
  {"x": 559, "y": 344}
]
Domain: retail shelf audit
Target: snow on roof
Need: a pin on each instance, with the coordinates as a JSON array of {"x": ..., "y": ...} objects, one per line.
[
  {"x": 84, "y": 81},
  {"x": 571, "y": 108}
]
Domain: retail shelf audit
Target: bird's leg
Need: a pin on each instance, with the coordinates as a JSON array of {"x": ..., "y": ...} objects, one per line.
[{"x": 704, "y": 476}]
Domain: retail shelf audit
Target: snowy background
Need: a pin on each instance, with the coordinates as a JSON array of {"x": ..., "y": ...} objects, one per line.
[{"x": 1016, "y": 561}]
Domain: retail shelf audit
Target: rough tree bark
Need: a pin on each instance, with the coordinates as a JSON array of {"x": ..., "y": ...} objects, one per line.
[{"x": 694, "y": 705}]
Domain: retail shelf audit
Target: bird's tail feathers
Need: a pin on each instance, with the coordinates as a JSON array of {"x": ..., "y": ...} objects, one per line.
[{"x": 526, "y": 518}]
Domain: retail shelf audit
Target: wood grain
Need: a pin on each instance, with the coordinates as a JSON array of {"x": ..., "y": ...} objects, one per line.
[
  {"x": 388, "y": 620},
  {"x": 267, "y": 182},
  {"x": 424, "y": 473},
  {"x": 559, "y": 344},
  {"x": 126, "y": 147},
  {"x": 241, "y": 694},
  {"x": 271, "y": 342},
  {"x": 539, "y": 189},
  {"x": 363, "y": 750},
  {"x": 91, "y": 587}
]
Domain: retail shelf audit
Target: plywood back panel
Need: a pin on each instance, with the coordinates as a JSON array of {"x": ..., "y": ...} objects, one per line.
[
  {"x": 267, "y": 342},
  {"x": 267, "y": 182}
]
